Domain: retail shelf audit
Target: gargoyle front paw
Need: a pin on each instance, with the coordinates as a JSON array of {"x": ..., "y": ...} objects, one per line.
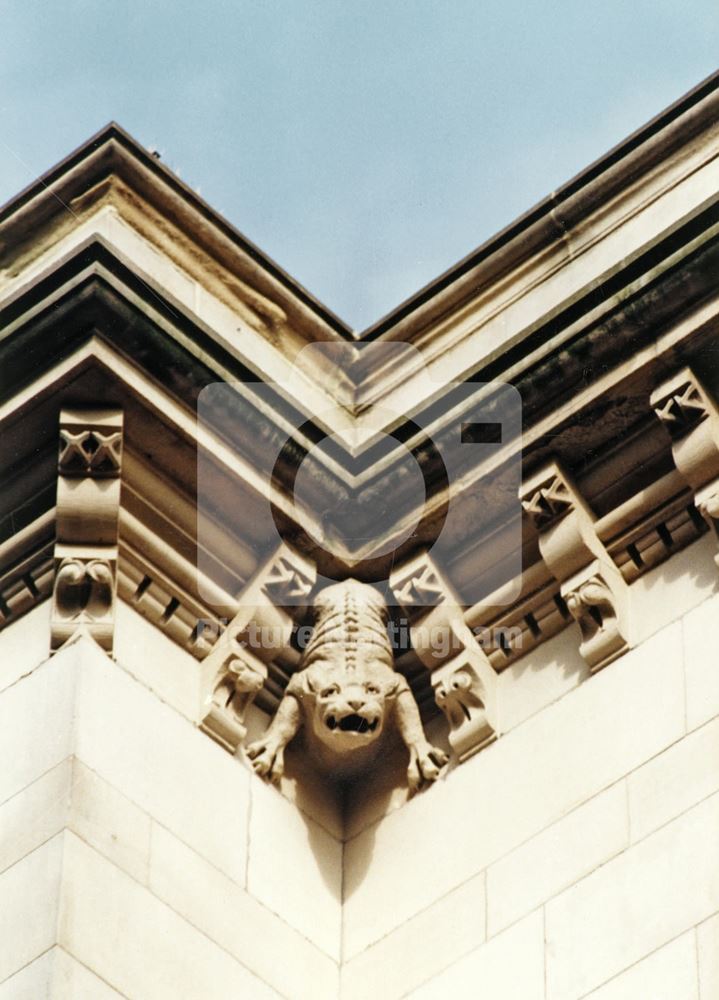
[
  {"x": 268, "y": 759},
  {"x": 425, "y": 765}
]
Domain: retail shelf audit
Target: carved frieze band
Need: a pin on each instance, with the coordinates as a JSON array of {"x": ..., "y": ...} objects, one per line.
[
  {"x": 591, "y": 585},
  {"x": 463, "y": 679},
  {"x": 691, "y": 418},
  {"x": 235, "y": 669},
  {"x": 88, "y": 504}
]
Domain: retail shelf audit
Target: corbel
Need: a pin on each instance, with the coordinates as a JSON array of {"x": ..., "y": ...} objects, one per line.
[
  {"x": 591, "y": 584},
  {"x": 88, "y": 504},
  {"x": 235, "y": 669},
  {"x": 691, "y": 418},
  {"x": 463, "y": 679}
]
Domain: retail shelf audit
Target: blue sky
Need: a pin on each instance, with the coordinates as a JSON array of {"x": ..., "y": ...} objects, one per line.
[{"x": 365, "y": 146}]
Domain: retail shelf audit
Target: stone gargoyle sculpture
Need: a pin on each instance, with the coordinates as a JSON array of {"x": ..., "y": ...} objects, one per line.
[{"x": 346, "y": 696}]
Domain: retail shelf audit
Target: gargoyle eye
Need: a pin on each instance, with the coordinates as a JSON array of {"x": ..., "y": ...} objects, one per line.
[
  {"x": 371, "y": 689},
  {"x": 332, "y": 689}
]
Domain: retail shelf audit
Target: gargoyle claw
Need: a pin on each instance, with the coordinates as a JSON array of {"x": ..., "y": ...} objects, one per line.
[
  {"x": 268, "y": 760},
  {"x": 425, "y": 765}
]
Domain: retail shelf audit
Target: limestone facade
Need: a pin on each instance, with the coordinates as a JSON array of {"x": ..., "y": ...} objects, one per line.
[{"x": 515, "y": 621}]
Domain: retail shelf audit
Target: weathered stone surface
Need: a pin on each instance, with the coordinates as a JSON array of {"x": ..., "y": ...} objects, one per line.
[
  {"x": 137, "y": 944},
  {"x": 426, "y": 944},
  {"x": 701, "y": 634},
  {"x": 55, "y": 975},
  {"x": 524, "y": 782},
  {"x": 273, "y": 950},
  {"x": 24, "y": 644},
  {"x": 495, "y": 968},
  {"x": 636, "y": 903},
  {"x": 30, "y": 894},
  {"x": 293, "y": 860},
  {"x": 673, "y": 782},
  {"x": 36, "y": 714},
  {"x": 161, "y": 762},
  {"x": 557, "y": 857},
  {"x": 667, "y": 974},
  {"x": 708, "y": 956}
]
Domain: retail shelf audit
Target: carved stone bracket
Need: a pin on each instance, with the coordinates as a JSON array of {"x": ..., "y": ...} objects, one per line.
[
  {"x": 463, "y": 679},
  {"x": 239, "y": 679},
  {"x": 590, "y": 583},
  {"x": 691, "y": 418},
  {"x": 88, "y": 504},
  {"x": 466, "y": 692},
  {"x": 236, "y": 668},
  {"x": 596, "y": 599}
]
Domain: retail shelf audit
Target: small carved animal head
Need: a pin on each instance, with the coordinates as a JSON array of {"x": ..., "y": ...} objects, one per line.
[{"x": 347, "y": 709}]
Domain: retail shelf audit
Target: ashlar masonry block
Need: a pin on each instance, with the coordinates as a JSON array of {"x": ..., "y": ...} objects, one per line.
[
  {"x": 55, "y": 975},
  {"x": 135, "y": 942},
  {"x": 667, "y": 974},
  {"x": 37, "y": 727},
  {"x": 295, "y": 868},
  {"x": 633, "y": 905},
  {"x": 527, "y": 780},
  {"x": 424, "y": 946},
  {"x": 507, "y": 967},
  {"x": 267, "y": 945},
  {"x": 701, "y": 635},
  {"x": 708, "y": 956},
  {"x": 71, "y": 796},
  {"x": 160, "y": 761},
  {"x": 557, "y": 857},
  {"x": 113, "y": 760},
  {"x": 29, "y": 905},
  {"x": 673, "y": 782}
]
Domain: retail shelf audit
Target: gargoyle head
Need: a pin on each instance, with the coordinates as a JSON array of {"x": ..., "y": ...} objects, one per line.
[{"x": 346, "y": 710}]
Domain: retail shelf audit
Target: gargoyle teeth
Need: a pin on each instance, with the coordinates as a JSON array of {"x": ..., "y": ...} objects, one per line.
[{"x": 353, "y": 724}]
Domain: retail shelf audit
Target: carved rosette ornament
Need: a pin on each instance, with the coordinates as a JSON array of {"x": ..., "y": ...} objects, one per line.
[
  {"x": 463, "y": 679},
  {"x": 236, "y": 668},
  {"x": 691, "y": 418},
  {"x": 347, "y": 697},
  {"x": 591, "y": 585},
  {"x": 88, "y": 504}
]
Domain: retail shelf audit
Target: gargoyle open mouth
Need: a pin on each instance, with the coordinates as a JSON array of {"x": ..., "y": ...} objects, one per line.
[{"x": 352, "y": 724}]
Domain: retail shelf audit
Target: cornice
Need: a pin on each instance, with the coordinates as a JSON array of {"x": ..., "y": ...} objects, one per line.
[
  {"x": 93, "y": 295},
  {"x": 608, "y": 358},
  {"x": 112, "y": 152},
  {"x": 550, "y": 221}
]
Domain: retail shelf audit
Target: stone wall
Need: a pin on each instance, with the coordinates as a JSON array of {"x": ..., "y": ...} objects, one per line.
[
  {"x": 574, "y": 857},
  {"x": 140, "y": 860},
  {"x": 577, "y": 855}
]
